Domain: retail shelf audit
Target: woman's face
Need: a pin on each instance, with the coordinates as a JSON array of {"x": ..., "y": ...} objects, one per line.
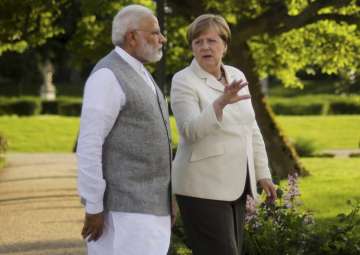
[{"x": 208, "y": 49}]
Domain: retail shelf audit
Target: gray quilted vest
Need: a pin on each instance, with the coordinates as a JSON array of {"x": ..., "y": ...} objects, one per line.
[{"x": 137, "y": 152}]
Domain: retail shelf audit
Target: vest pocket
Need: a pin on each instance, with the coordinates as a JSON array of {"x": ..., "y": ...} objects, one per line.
[{"x": 205, "y": 150}]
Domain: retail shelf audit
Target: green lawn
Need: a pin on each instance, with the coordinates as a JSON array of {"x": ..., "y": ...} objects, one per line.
[
  {"x": 34, "y": 134},
  {"x": 327, "y": 132},
  {"x": 332, "y": 182},
  {"x": 40, "y": 133}
]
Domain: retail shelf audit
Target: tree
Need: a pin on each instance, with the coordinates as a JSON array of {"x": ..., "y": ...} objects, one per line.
[
  {"x": 28, "y": 23},
  {"x": 72, "y": 34},
  {"x": 279, "y": 38}
]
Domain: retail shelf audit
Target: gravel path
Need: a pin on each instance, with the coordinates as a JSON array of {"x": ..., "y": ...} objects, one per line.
[{"x": 40, "y": 211}]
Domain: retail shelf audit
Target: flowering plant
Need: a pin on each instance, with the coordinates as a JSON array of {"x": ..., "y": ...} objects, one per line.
[{"x": 281, "y": 228}]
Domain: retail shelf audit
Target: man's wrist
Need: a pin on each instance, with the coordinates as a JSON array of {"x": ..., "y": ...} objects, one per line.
[{"x": 94, "y": 208}]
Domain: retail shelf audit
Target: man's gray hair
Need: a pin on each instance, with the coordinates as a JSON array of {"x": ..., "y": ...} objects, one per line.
[{"x": 127, "y": 19}]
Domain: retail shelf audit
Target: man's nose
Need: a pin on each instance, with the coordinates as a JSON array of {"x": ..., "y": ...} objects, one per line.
[{"x": 162, "y": 39}]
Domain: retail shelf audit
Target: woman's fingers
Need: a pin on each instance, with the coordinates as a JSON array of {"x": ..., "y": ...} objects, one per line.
[
  {"x": 243, "y": 97},
  {"x": 235, "y": 86}
]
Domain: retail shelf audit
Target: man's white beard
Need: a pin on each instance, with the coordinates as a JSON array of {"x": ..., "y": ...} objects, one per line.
[{"x": 149, "y": 53}]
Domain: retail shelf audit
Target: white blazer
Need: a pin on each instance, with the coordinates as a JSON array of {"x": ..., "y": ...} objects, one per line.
[{"x": 212, "y": 156}]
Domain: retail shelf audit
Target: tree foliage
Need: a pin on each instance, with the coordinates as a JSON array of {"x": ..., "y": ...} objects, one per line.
[
  {"x": 286, "y": 36},
  {"x": 28, "y": 23}
]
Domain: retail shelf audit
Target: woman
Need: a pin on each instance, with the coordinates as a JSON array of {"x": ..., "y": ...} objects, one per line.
[{"x": 221, "y": 154}]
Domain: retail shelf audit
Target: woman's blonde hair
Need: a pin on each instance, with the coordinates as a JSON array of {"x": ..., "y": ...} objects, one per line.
[{"x": 209, "y": 21}]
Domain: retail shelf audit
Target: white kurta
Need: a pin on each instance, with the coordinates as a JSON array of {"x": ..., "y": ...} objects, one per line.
[{"x": 124, "y": 233}]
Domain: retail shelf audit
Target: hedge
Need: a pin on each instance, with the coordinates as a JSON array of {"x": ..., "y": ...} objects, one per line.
[
  {"x": 66, "y": 106},
  {"x": 70, "y": 108},
  {"x": 24, "y": 106},
  {"x": 315, "y": 105},
  {"x": 302, "y": 105},
  {"x": 344, "y": 107},
  {"x": 27, "y": 106}
]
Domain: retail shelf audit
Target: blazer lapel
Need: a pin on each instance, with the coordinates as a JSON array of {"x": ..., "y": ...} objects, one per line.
[{"x": 207, "y": 77}]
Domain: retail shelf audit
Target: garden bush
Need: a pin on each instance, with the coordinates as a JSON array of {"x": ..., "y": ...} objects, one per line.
[
  {"x": 282, "y": 228},
  {"x": 344, "y": 107},
  {"x": 27, "y": 106},
  {"x": 304, "y": 147},
  {"x": 50, "y": 107},
  {"x": 315, "y": 105},
  {"x": 23, "y": 106},
  {"x": 70, "y": 107},
  {"x": 290, "y": 108}
]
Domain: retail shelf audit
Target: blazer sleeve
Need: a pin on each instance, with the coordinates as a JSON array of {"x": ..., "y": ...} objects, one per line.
[
  {"x": 193, "y": 122},
  {"x": 262, "y": 170}
]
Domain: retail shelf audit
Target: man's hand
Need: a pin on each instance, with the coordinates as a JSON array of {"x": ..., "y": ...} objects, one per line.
[
  {"x": 269, "y": 189},
  {"x": 93, "y": 226}
]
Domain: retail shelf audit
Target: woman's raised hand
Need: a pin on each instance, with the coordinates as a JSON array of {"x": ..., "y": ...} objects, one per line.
[{"x": 230, "y": 96}]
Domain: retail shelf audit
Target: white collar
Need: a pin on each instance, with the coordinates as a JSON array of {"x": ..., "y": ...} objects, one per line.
[{"x": 133, "y": 62}]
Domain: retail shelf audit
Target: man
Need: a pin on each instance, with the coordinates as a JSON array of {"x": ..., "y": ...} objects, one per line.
[{"x": 124, "y": 152}]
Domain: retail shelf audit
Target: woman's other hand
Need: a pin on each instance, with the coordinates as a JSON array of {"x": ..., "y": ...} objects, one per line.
[{"x": 269, "y": 188}]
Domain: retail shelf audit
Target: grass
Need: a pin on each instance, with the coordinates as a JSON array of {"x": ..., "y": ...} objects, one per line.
[
  {"x": 34, "y": 134},
  {"x": 327, "y": 132},
  {"x": 46, "y": 133},
  {"x": 39, "y": 133},
  {"x": 332, "y": 182}
]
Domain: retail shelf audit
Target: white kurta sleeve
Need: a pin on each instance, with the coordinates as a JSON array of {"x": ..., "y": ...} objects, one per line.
[{"x": 102, "y": 102}]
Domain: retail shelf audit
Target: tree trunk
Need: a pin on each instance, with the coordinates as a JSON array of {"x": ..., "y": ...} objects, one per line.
[{"x": 283, "y": 159}]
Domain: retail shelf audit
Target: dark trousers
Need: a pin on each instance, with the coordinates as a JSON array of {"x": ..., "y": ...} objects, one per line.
[{"x": 213, "y": 227}]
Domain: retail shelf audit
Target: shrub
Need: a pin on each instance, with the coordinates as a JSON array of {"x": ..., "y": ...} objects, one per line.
[
  {"x": 282, "y": 229},
  {"x": 290, "y": 108},
  {"x": 304, "y": 147},
  {"x": 70, "y": 108},
  {"x": 355, "y": 155},
  {"x": 178, "y": 239},
  {"x": 24, "y": 106},
  {"x": 344, "y": 107},
  {"x": 316, "y": 105},
  {"x": 49, "y": 107}
]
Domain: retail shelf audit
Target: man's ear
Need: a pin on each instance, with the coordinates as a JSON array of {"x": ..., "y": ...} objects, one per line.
[{"x": 130, "y": 38}]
